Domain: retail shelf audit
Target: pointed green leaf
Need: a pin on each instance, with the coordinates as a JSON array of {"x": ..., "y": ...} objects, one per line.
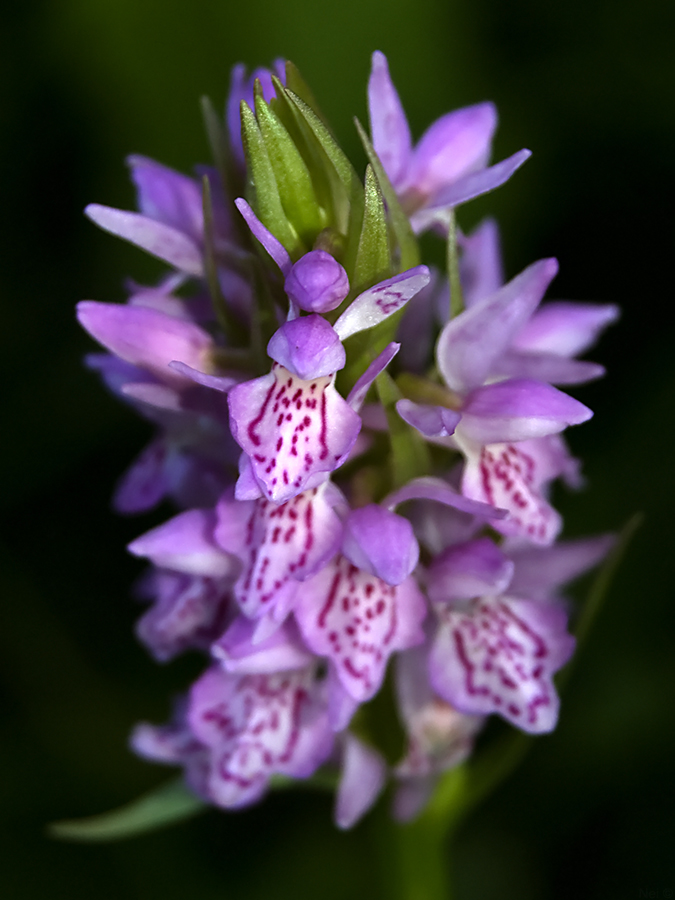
[
  {"x": 405, "y": 237},
  {"x": 218, "y": 142},
  {"x": 329, "y": 190},
  {"x": 296, "y": 83},
  {"x": 229, "y": 324},
  {"x": 373, "y": 257},
  {"x": 266, "y": 201},
  {"x": 349, "y": 220},
  {"x": 409, "y": 452},
  {"x": 172, "y": 802},
  {"x": 292, "y": 176}
]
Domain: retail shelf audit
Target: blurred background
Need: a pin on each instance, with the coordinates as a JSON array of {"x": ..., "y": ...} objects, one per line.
[{"x": 589, "y": 86}]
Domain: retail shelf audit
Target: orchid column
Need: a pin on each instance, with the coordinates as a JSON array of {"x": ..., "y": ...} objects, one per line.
[{"x": 360, "y": 449}]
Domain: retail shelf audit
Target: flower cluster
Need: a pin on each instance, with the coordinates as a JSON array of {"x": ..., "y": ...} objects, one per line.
[{"x": 360, "y": 474}]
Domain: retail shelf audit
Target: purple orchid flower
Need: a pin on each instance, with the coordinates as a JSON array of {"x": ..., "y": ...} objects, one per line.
[
  {"x": 438, "y": 736},
  {"x": 448, "y": 165},
  {"x": 188, "y": 612},
  {"x": 501, "y": 636},
  {"x": 503, "y": 427},
  {"x": 170, "y": 224},
  {"x": 292, "y": 424},
  {"x": 364, "y": 604}
]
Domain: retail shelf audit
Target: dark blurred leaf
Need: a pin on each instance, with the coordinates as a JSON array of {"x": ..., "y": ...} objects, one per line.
[{"x": 172, "y": 802}]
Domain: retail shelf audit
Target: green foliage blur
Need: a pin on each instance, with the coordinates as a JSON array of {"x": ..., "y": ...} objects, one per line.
[{"x": 589, "y": 86}]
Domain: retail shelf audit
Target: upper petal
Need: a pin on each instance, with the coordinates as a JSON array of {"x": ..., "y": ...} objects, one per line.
[
  {"x": 454, "y": 145},
  {"x": 517, "y": 410},
  {"x": 164, "y": 241},
  {"x": 388, "y": 124},
  {"x": 147, "y": 338},
  {"x": 471, "y": 343}
]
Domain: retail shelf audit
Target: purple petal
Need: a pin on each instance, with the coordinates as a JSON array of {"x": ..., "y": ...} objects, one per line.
[
  {"x": 442, "y": 492},
  {"x": 512, "y": 476},
  {"x": 364, "y": 772},
  {"x": 381, "y": 543},
  {"x": 186, "y": 544},
  {"x": 471, "y": 343},
  {"x": 358, "y": 621},
  {"x": 358, "y": 393},
  {"x": 431, "y": 421},
  {"x": 151, "y": 394},
  {"x": 548, "y": 367},
  {"x": 317, "y": 282},
  {"x": 565, "y": 328},
  {"x": 466, "y": 188},
  {"x": 291, "y": 429},
  {"x": 416, "y": 329},
  {"x": 541, "y": 571},
  {"x": 473, "y": 569},
  {"x": 217, "y": 382},
  {"x": 168, "y": 244},
  {"x": 256, "y": 726},
  {"x": 145, "y": 482},
  {"x": 517, "y": 410},
  {"x": 147, "y": 338},
  {"x": 241, "y": 88},
  {"x": 237, "y": 653},
  {"x": 499, "y": 658},
  {"x": 456, "y": 144},
  {"x": 273, "y": 246},
  {"x": 188, "y": 612},
  {"x": 308, "y": 347},
  {"x": 381, "y": 301},
  {"x": 480, "y": 267},
  {"x": 168, "y": 196},
  {"x": 388, "y": 124},
  {"x": 279, "y": 545}
]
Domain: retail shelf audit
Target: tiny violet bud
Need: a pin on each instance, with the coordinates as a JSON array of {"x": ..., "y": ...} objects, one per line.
[{"x": 317, "y": 282}]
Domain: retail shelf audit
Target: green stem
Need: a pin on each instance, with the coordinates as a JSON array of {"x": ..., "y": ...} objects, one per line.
[{"x": 456, "y": 297}]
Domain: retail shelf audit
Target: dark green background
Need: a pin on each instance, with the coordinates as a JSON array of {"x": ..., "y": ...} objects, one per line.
[{"x": 590, "y": 88}]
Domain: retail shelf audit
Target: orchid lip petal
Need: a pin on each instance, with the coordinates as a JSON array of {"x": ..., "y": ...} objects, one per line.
[
  {"x": 357, "y": 621},
  {"x": 512, "y": 475},
  {"x": 170, "y": 245},
  {"x": 291, "y": 429},
  {"x": 381, "y": 301},
  {"x": 273, "y": 246},
  {"x": 499, "y": 658}
]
